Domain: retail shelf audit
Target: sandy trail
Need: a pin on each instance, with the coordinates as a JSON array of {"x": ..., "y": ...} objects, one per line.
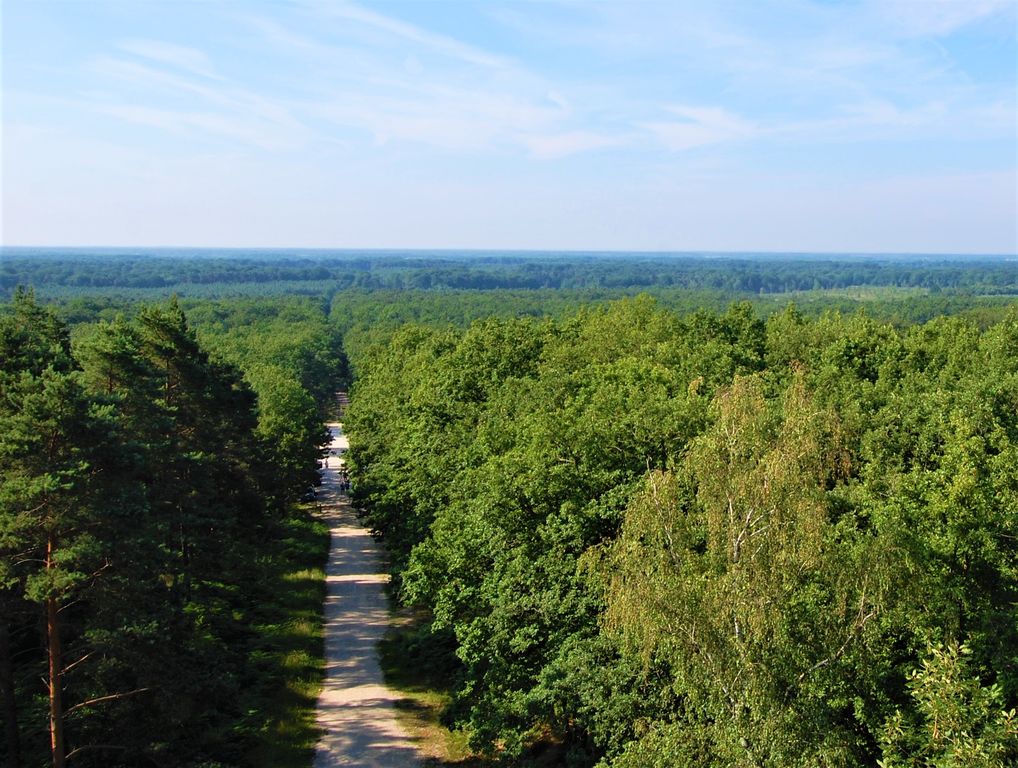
[{"x": 355, "y": 710}]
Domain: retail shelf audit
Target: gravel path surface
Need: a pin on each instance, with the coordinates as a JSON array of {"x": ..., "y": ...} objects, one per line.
[{"x": 355, "y": 709}]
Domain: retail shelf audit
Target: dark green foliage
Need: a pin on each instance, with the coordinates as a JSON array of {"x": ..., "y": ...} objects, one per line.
[
  {"x": 137, "y": 544},
  {"x": 293, "y": 359}
]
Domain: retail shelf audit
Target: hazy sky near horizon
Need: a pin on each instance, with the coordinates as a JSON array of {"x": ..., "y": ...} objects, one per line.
[{"x": 779, "y": 125}]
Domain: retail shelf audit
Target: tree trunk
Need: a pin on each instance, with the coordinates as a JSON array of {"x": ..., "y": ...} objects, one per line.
[
  {"x": 10, "y": 709},
  {"x": 56, "y": 709}
]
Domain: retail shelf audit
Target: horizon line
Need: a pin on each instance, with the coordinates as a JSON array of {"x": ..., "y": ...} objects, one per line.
[{"x": 535, "y": 251}]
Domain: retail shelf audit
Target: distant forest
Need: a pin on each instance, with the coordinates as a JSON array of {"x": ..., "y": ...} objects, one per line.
[{"x": 73, "y": 270}]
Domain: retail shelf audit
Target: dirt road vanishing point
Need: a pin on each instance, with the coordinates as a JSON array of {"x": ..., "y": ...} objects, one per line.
[{"x": 355, "y": 710}]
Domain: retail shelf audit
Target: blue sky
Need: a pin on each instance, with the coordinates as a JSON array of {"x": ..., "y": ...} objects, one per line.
[{"x": 883, "y": 126}]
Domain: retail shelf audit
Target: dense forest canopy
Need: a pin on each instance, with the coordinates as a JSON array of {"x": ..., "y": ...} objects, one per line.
[
  {"x": 708, "y": 539},
  {"x": 651, "y": 511}
]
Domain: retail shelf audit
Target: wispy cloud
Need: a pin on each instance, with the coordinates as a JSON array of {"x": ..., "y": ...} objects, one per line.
[
  {"x": 700, "y": 126},
  {"x": 879, "y": 120},
  {"x": 425, "y": 96},
  {"x": 185, "y": 122},
  {"x": 937, "y": 18},
  {"x": 441, "y": 44},
  {"x": 283, "y": 39},
  {"x": 381, "y": 104},
  {"x": 553, "y": 146},
  {"x": 495, "y": 106},
  {"x": 220, "y": 108},
  {"x": 452, "y": 119},
  {"x": 177, "y": 56}
]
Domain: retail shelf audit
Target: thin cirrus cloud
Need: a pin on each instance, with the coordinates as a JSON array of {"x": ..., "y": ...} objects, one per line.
[
  {"x": 568, "y": 108},
  {"x": 176, "y": 56},
  {"x": 184, "y": 122},
  {"x": 218, "y": 108},
  {"x": 465, "y": 98},
  {"x": 448, "y": 118},
  {"x": 938, "y": 17},
  {"x": 553, "y": 146},
  {"x": 493, "y": 104},
  {"x": 442, "y": 44},
  {"x": 698, "y": 126}
]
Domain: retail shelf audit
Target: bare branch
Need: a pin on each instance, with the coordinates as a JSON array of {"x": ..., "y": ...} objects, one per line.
[
  {"x": 79, "y": 750},
  {"x": 857, "y": 625},
  {"x": 65, "y": 606},
  {"x": 837, "y": 654},
  {"x": 73, "y": 664},
  {"x": 29, "y": 560},
  {"x": 99, "y": 700}
]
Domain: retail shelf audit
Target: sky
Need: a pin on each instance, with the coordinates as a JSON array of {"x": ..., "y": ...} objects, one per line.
[{"x": 763, "y": 125}]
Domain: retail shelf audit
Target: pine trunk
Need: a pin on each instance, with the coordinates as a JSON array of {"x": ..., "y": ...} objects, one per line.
[{"x": 56, "y": 709}]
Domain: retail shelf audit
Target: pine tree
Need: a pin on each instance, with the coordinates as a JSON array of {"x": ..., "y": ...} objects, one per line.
[{"x": 57, "y": 448}]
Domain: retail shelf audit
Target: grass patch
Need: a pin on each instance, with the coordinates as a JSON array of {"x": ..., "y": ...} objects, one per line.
[
  {"x": 419, "y": 667},
  {"x": 288, "y": 650}
]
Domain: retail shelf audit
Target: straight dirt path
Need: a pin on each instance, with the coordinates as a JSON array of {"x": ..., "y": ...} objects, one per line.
[{"x": 355, "y": 710}]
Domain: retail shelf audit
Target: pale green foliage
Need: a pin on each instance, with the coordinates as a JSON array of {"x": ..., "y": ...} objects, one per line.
[
  {"x": 726, "y": 570},
  {"x": 958, "y": 723}
]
